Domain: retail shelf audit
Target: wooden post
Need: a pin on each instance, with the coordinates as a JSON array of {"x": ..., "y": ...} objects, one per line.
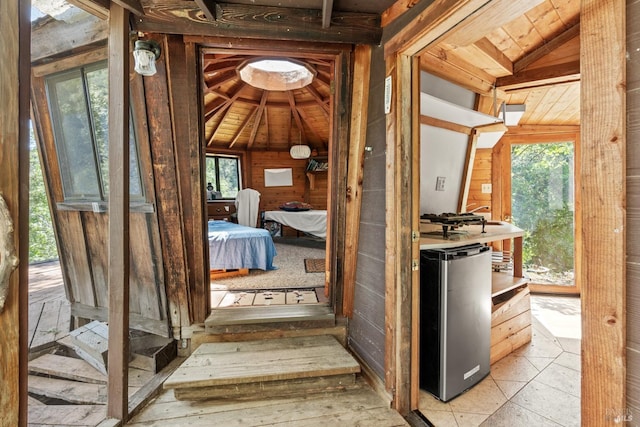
[
  {"x": 359, "y": 107},
  {"x": 603, "y": 145},
  {"x": 118, "y": 359},
  {"x": 14, "y": 178}
]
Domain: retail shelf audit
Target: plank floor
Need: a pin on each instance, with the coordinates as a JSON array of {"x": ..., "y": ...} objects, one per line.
[{"x": 356, "y": 407}]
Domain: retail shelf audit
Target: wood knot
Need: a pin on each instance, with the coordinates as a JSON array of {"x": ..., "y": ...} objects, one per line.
[{"x": 611, "y": 320}]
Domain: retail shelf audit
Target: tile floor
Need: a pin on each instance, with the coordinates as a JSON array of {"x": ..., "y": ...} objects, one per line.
[{"x": 537, "y": 385}]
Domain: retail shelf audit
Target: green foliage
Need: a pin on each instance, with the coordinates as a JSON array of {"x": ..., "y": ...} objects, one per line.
[
  {"x": 542, "y": 203},
  {"x": 42, "y": 242}
]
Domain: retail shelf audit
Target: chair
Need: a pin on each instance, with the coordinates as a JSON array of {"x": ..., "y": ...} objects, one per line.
[{"x": 247, "y": 206}]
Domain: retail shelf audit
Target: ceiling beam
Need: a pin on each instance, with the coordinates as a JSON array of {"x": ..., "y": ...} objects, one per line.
[
  {"x": 296, "y": 116},
  {"x": 492, "y": 15},
  {"x": 327, "y": 10},
  {"x": 208, "y": 8},
  {"x": 538, "y": 77},
  {"x": 547, "y": 48},
  {"x": 98, "y": 8},
  {"x": 261, "y": 22},
  {"x": 491, "y": 51},
  {"x": 133, "y": 6},
  {"x": 256, "y": 125}
]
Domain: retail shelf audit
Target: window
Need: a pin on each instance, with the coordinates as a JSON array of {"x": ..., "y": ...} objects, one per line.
[
  {"x": 79, "y": 104},
  {"x": 223, "y": 173}
]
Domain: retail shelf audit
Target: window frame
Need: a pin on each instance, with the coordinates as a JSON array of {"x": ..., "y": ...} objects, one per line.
[
  {"x": 216, "y": 157},
  {"x": 71, "y": 199}
]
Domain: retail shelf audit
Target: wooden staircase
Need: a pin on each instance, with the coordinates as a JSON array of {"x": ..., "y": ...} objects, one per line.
[{"x": 264, "y": 368}]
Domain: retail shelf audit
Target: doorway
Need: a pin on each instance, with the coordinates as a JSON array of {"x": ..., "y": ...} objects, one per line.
[
  {"x": 539, "y": 191},
  {"x": 264, "y": 130}
]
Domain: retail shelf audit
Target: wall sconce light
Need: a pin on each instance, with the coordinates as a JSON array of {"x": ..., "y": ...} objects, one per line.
[{"x": 145, "y": 54}]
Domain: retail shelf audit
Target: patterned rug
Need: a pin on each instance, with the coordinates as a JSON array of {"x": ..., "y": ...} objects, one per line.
[
  {"x": 314, "y": 265},
  {"x": 264, "y": 297}
]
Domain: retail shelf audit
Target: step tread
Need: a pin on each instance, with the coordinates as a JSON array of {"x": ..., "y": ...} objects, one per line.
[
  {"x": 262, "y": 361},
  {"x": 269, "y": 314}
]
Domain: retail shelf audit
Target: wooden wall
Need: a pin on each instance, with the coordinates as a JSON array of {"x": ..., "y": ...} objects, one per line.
[
  {"x": 481, "y": 174},
  {"x": 367, "y": 326},
  {"x": 633, "y": 208},
  {"x": 272, "y": 197}
]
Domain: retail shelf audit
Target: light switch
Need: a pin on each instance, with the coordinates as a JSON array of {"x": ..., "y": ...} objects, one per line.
[
  {"x": 486, "y": 188},
  {"x": 440, "y": 183}
]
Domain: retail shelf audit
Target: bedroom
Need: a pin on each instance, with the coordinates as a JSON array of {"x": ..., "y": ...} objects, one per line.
[{"x": 266, "y": 127}]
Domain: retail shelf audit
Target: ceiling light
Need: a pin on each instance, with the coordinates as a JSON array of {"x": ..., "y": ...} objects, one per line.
[
  {"x": 276, "y": 74},
  {"x": 511, "y": 114}
]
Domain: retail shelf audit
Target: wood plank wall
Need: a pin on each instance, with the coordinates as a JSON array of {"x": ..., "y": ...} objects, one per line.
[
  {"x": 367, "y": 326},
  {"x": 272, "y": 197},
  {"x": 633, "y": 208},
  {"x": 481, "y": 174}
]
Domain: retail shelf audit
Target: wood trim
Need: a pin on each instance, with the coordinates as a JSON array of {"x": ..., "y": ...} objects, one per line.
[
  {"x": 261, "y": 22},
  {"x": 98, "y": 8},
  {"x": 547, "y": 48},
  {"x": 355, "y": 170},
  {"x": 118, "y": 356},
  {"x": 603, "y": 145},
  {"x": 14, "y": 146},
  {"x": 467, "y": 171}
]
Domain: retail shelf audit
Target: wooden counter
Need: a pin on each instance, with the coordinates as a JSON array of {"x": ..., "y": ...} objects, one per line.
[{"x": 431, "y": 238}]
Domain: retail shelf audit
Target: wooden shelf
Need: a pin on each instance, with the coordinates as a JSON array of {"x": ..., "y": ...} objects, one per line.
[{"x": 504, "y": 282}]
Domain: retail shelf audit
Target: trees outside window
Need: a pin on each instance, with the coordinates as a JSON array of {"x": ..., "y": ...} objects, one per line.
[{"x": 223, "y": 173}]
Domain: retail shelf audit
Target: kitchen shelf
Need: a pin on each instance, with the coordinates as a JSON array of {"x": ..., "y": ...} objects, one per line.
[{"x": 504, "y": 282}]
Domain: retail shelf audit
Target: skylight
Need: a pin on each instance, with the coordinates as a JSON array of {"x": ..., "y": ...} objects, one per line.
[{"x": 276, "y": 74}]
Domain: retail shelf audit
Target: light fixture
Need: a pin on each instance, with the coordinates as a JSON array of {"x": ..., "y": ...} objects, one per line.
[
  {"x": 511, "y": 114},
  {"x": 300, "y": 151},
  {"x": 145, "y": 54}
]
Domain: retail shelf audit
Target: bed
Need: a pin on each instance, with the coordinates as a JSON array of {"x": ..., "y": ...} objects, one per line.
[
  {"x": 312, "y": 221},
  {"x": 234, "y": 246}
]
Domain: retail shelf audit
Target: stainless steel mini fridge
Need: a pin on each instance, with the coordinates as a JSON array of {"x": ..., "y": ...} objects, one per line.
[{"x": 455, "y": 319}]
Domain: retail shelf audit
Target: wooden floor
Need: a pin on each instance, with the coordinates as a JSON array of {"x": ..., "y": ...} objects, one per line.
[
  {"x": 302, "y": 381},
  {"x": 49, "y": 310},
  {"x": 358, "y": 407}
]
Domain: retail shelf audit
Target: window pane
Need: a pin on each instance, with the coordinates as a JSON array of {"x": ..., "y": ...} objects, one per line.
[
  {"x": 229, "y": 177},
  {"x": 73, "y": 138},
  {"x": 97, "y": 84},
  {"x": 210, "y": 172}
]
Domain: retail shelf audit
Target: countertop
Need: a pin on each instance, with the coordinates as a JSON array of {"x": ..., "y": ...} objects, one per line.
[{"x": 466, "y": 234}]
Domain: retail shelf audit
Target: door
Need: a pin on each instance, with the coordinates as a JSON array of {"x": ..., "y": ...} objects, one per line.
[{"x": 541, "y": 199}]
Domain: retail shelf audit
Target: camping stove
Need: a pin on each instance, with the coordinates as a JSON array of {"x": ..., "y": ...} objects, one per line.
[{"x": 451, "y": 221}]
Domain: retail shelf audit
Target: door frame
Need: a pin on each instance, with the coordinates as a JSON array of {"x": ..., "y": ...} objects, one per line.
[{"x": 502, "y": 199}]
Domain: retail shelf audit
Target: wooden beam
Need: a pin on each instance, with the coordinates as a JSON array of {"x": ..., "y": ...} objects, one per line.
[
  {"x": 603, "y": 143},
  {"x": 327, "y": 10},
  {"x": 261, "y": 22},
  {"x": 259, "y": 113},
  {"x": 395, "y": 10},
  {"x": 467, "y": 171},
  {"x": 97, "y": 8},
  {"x": 208, "y": 8},
  {"x": 537, "y": 77},
  {"x": 546, "y": 48},
  {"x": 14, "y": 173},
  {"x": 491, "y": 51},
  {"x": 296, "y": 116},
  {"x": 60, "y": 37},
  {"x": 355, "y": 171},
  {"x": 492, "y": 15},
  {"x": 133, "y": 6},
  {"x": 443, "y": 124},
  {"x": 118, "y": 269}
]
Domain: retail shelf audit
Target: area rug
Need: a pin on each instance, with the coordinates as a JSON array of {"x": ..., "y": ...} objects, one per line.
[{"x": 314, "y": 265}]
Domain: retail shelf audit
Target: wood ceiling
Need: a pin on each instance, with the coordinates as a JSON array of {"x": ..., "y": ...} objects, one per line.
[
  {"x": 239, "y": 116},
  {"x": 531, "y": 54},
  {"x": 528, "y": 50}
]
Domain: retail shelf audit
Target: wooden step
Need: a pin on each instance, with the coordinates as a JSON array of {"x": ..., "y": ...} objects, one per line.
[
  {"x": 265, "y": 318},
  {"x": 275, "y": 367}
]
